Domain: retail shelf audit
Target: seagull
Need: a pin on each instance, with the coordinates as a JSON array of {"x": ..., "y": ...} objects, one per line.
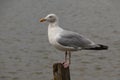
[{"x": 68, "y": 41}]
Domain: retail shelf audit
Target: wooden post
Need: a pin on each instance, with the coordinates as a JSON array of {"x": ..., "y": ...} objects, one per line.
[{"x": 60, "y": 73}]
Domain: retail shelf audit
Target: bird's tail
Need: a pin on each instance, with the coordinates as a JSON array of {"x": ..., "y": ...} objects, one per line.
[{"x": 99, "y": 47}]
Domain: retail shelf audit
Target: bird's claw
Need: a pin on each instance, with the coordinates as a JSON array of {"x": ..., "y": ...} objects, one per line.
[{"x": 65, "y": 64}]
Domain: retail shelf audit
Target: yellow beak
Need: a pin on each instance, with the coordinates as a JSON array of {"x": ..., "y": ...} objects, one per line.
[{"x": 42, "y": 20}]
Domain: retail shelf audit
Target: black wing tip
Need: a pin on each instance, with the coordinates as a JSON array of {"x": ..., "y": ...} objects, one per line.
[
  {"x": 100, "y": 47},
  {"x": 103, "y": 47}
]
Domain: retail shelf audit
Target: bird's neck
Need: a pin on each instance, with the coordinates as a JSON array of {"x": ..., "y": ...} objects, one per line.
[{"x": 53, "y": 25}]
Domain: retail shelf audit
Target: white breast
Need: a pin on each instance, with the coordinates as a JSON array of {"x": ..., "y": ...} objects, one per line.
[{"x": 53, "y": 34}]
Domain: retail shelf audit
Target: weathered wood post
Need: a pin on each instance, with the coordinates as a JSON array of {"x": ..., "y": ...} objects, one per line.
[{"x": 60, "y": 73}]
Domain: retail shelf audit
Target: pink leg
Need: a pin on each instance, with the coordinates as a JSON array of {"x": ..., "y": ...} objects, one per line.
[
  {"x": 67, "y": 62},
  {"x": 65, "y": 58}
]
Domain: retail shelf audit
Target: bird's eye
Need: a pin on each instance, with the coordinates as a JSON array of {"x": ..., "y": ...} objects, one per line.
[{"x": 50, "y": 16}]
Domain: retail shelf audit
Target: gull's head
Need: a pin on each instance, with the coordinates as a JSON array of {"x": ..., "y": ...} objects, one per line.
[{"x": 51, "y": 18}]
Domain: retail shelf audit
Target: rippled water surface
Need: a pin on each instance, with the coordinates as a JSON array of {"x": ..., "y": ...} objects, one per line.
[{"x": 25, "y": 53}]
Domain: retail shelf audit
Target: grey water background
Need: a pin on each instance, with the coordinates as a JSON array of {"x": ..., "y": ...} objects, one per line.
[{"x": 25, "y": 53}]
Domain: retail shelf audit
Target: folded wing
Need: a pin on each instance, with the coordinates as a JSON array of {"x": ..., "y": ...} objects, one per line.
[{"x": 75, "y": 40}]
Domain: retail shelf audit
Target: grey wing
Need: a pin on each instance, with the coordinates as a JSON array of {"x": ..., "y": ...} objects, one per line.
[{"x": 75, "y": 40}]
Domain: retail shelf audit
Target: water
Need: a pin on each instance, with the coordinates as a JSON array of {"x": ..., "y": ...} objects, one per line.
[{"x": 25, "y": 53}]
